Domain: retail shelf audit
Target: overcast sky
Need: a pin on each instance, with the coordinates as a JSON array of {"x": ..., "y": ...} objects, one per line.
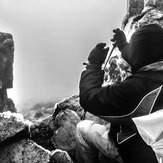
[{"x": 52, "y": 40}]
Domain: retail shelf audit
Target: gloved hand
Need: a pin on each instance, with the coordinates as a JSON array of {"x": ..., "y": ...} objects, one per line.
[
  {"x": 98, "y": 54},
  {"x": 120, "y": 38}
]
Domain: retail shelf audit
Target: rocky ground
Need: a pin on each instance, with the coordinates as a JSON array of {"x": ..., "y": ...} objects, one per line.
[{"x": 50, "y": 139}]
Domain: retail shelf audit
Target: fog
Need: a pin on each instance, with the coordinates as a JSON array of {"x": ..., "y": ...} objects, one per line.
[{"x": 52, "y": 40}]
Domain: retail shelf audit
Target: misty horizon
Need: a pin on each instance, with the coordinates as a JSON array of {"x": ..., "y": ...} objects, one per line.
[{"x": 52, "y": 39}]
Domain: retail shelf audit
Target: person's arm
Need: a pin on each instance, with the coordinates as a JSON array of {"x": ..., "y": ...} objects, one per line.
[
  {"x": 109, "y": 100},
  {"x": 93, "y": 97}
]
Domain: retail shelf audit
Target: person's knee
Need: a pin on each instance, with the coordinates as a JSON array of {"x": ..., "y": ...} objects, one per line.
[{"x": 84, "y": 126}]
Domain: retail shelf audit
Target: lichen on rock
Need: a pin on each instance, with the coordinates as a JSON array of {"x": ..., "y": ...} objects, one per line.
[
  {"x": 59, "y": 156},
  {"x": 24, "y": 151},
  {"x": 42, "y": 132},
  {"x": 11, "y": 124},
  {"x": 64, "y": 136},
  {"x": 71, "y": 103}
]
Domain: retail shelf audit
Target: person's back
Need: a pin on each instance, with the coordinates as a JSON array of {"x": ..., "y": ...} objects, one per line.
[{"x": 144, "y": 53}]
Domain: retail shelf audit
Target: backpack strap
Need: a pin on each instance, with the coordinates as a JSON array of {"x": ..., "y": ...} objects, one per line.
[{"x": 144, "y": 107}]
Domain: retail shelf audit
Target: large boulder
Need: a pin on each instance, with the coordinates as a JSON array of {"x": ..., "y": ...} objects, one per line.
[
  {"x": 154, "y": 15},
  {"x": 145, "y": 12},
  {"x": 19, "y": 138},
  {"x": 43, "y": 131},
  {"x": 24, "y": 151},
  {"x": 71, "y": 103},
  {"x": 59, "y": 156},
  {"x": 139, "y": 13},
  {"x": 11, "y": 124},
  {"x": 6, "y": 71},
  {"x": 134, "y": 7},
  {"x": 27, "y": 151},
  {"x": 64, "y": 136},
  {"x": 153, "y": 4}
]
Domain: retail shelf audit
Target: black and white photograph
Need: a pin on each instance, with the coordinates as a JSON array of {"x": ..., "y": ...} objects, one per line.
[{"x": 81, "y": 81}]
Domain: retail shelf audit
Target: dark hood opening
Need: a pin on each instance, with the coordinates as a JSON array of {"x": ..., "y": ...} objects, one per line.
[{"x": 145, "y": 47}]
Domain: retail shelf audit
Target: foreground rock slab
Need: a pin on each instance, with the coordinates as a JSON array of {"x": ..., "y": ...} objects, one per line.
[
  {"x": 12, "y": 124},
  {"x": 24, "y": 151}
]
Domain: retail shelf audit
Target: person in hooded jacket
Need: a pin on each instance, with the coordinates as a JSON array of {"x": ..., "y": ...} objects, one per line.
[{"x": 137, "y": 95}]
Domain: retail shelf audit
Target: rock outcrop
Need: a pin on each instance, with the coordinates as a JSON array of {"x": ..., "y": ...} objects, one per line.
[
  {"x": 139, "y": 13},
  {"x": 11, "y": 124},
  {"x": 6, "y": 71},
  {"x": 18, "y": 141},
  {"x": 143, "y": 12},
  {"x": 46, "y": 140}
]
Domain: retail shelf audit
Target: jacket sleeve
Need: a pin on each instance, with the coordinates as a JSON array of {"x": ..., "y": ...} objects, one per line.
[{"x": 110, "y": 100}]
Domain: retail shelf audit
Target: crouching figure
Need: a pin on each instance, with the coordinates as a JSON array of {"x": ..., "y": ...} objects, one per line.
[{"x": 138, "y": 95}]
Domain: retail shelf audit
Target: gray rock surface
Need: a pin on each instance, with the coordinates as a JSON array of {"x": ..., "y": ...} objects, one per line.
[
  {"x": 11, "y": 124},
  {"x": 64, "y": 136},
  {"x": 42, "y": 132},
  {"x": 135, "y": 7},
  {"x": 24, "y": 151},
  {"x": 143, "y": 12},
  {"x": 59, "y": 156},
  {"x": 71, "y": 103},
  {"x": 6, "y": 71}
]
